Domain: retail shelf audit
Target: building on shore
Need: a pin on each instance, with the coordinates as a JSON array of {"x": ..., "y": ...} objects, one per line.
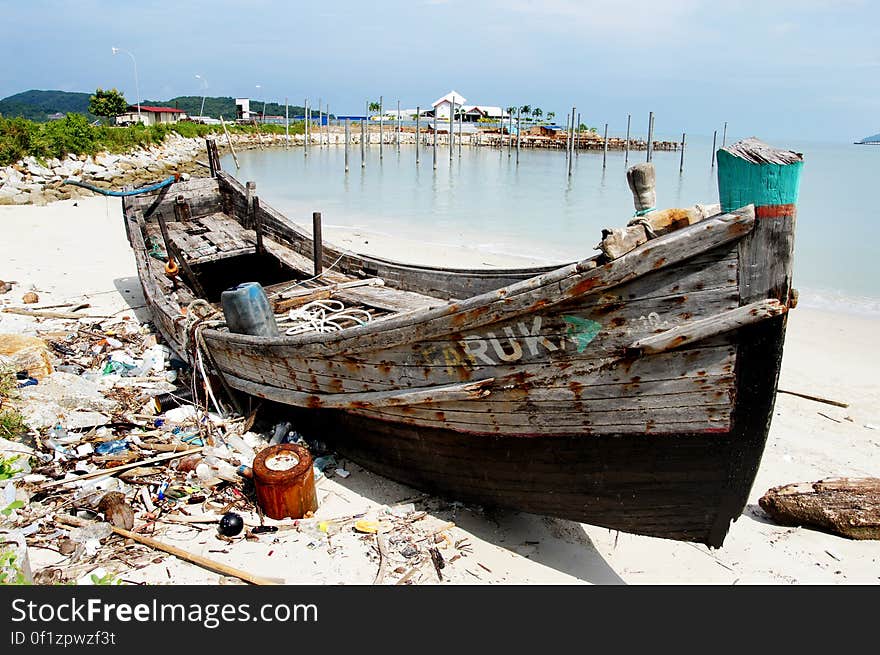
[
  {"x": 448, "y": 105},
  {"x": 150, "y": 115}
]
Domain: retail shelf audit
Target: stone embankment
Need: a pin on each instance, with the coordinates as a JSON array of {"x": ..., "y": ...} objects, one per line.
[{"x": 38, "y": 182}]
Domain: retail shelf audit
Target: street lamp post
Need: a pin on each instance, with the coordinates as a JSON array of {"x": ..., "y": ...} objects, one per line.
[
  {"x": 205, "y": 91},
  {"x": 137, "y": 90}
]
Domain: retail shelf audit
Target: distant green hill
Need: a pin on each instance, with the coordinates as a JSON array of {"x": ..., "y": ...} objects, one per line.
[{"x": 38, "y": 105}]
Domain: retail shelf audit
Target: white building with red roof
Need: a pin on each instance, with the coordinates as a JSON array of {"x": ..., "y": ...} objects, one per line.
[{"x": 150, "y": 115}]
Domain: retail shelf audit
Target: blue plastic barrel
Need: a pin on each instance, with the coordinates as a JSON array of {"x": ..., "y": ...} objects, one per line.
[{"x": 247, "y": 310}]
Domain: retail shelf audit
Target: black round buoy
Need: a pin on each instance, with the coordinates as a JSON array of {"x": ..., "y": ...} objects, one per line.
[{"x": 231, "y": 524}]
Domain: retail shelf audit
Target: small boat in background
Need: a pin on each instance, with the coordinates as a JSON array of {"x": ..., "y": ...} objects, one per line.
[{"x": 633, "y": 389}]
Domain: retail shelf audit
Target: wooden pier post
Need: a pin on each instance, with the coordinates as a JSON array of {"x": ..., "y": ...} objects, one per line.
[
  {"x": 229, "y": 143},
  {"x": 451, "y": 127},
  {"x": 567, "y": 134},
  {"x": 434, "y": 142},
  {"x": 326, "y": 128},
  {"x": 363, "y": 143},
  {"x": 317, "y": 245},
  {"x": 320, "y": 124},
  {"x": 398, "y": 126},
  {"x": 650, "y": 135},
  {"x": 681, "y": 163},
  {"x": 626, "y": 150},
  {"x": 286, "y": 124},
  {"x": 714, "y": 139},
  {"x": 605, "y": 147},
  {"x": 509, "y": 133},
  {"x": 306, "y": 134},
  {"x": 724, "y": 135},
  {"x": 518, "y": 132},
  {"x": 381, "y": 127},
  {"x": 577, "y": 143},
  {"x": 347, "y": 140},
  {"x": 418, "y": 133},
  {"x": 460, "y": 125},
  {"x": 571, "y": 147}
]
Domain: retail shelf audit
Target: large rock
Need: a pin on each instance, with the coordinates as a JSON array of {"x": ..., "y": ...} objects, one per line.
[{"x": 24, "y": 353}]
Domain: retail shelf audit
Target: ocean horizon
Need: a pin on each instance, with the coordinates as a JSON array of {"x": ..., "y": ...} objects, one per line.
[{"x": 484, "y": 200}]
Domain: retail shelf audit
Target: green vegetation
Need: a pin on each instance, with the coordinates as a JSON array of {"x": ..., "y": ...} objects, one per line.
[
  {"x": 10, "y": 571},
  {"x": 109, "y": 103},
  {"x": 75, "y": 135},
  {"x": 39, "y": 105},
  {"x": 11, "y": 422}
]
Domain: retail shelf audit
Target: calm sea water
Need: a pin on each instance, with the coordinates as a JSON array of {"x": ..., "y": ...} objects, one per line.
[{"x": 485, "y": 200}]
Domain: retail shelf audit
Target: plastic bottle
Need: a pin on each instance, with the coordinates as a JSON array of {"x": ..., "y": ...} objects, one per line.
[
  {"x": 112, "y": 447},
  {"x": 247, "y": 311}
]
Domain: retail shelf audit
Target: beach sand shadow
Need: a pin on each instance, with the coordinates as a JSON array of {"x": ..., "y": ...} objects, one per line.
[
  {"x": 558, "y": 544},
  {"x": 130, "y": 291}
]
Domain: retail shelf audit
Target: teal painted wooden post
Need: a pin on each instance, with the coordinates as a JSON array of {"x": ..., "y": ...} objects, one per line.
[{"x": 752, "y": 173}]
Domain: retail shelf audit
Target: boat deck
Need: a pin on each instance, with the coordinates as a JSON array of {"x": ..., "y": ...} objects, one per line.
[{"x": 217, "y": 240}]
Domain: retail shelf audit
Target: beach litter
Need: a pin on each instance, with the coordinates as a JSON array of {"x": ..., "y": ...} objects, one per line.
[{"x": 116, "y": 443}]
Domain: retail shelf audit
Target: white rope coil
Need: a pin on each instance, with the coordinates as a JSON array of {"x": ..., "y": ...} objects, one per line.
[{"x": 323, "y": 316}]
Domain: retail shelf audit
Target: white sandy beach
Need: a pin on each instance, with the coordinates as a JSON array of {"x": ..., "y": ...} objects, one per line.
[{"x": 70, "y": 251}]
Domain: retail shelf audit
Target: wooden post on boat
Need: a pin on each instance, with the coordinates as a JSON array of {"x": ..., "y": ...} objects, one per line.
[
  {"x": 626, "y": 150},
  {"x": 714, "y": 139},
  {"x": 751, "y": 172},
  {"x": 650, "y": 135},
  {"x": 418, "y": 133},
  {"x": 518, "y": 132},
  {"x": 347, "y": 139},
  {"x": 381, "y": 127},
  {"x": 250, "y": 192},
  {"x": 681, "y": 163},
  {"x": 258, "y": 224},
  {"x": 605, "y": 147},
  {"x": 229, "y": 143},
  {"x": 306, "y": 120},
  {"x": 317, "y": 245},
  {"x": 571, "y": 147},
  {"x": 286, "y": 124},
  {"x": 208, "y": 148},
  {"x": 642, "y": 182}
]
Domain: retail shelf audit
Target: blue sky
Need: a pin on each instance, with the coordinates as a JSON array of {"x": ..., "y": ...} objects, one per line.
[{"x": 796, "y": 69}]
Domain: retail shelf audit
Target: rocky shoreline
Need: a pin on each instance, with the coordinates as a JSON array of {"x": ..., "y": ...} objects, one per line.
[{"x": 39, "y": 182}]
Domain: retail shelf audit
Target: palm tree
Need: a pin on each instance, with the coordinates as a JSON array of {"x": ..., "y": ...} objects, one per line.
[
  {"x": 526, "y": 110},
  {"x": 551, "y": 115},
  {"x": 375, "y": 106},
  {"x": 537, "y": 112}
]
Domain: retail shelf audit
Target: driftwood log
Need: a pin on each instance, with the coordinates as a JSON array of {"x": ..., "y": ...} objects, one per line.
[{"x": 846, "y": 506}]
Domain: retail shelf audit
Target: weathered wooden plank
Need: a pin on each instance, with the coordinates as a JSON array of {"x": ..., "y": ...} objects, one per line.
[
  {"x": 397, "y": 397},
  {"x": 672, "y": 421},
  {"x": 526, "y": 296},
  {"x": 844, "y": 506},
  {"x": 709, "y": 327}
]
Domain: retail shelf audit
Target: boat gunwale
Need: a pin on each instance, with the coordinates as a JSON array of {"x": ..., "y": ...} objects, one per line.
[{"x": 409, "y": 319}]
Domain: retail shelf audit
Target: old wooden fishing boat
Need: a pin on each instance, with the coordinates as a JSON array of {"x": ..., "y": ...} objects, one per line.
[{"x": 632, "y": 390}]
